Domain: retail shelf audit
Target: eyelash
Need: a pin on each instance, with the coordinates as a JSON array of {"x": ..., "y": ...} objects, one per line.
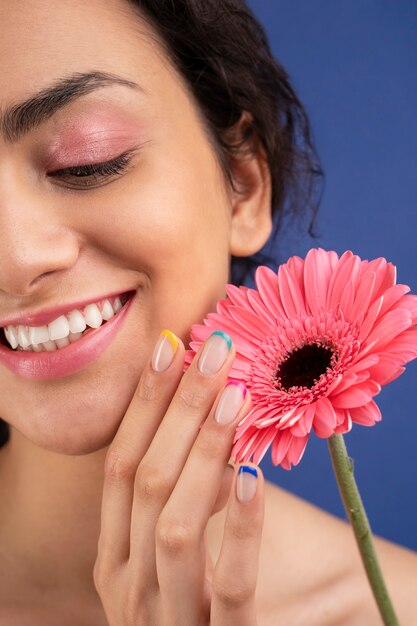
[{"x": 94, "y": 172}]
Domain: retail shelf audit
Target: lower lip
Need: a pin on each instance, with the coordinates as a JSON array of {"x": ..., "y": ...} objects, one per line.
[{"x": 68, "y": 360}]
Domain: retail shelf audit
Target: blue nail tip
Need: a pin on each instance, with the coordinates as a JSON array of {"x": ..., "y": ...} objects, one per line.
[
  {"x": 249, "y": 469},
  {"x": 225, "y": 337}
]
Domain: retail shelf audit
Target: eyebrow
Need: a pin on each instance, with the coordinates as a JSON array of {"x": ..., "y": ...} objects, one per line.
[{"x": 19, "y": 119}]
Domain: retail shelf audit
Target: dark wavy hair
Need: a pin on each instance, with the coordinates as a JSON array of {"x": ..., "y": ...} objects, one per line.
[{"x": 222, "y": 52}]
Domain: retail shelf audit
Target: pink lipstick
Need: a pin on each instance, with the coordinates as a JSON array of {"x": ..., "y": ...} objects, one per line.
[{"x": 68, "y": 360}]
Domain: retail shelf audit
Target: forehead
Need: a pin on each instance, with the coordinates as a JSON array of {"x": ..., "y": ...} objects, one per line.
[{"x": 44, "y": 40}]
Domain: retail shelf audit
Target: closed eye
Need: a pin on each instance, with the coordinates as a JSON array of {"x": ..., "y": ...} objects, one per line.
[{"x": 88, "y": 175}]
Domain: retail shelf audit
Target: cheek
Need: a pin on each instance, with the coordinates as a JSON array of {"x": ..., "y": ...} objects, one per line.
[
  {"x": 170, "y": 224},
  {"x": 178, "y": 247}
]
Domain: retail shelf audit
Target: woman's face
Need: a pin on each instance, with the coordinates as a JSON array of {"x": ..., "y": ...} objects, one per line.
[{"x": 162, "y": 227}]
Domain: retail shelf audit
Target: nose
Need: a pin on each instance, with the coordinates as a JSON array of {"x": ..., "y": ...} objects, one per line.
[{"x": 35, "y": 241}]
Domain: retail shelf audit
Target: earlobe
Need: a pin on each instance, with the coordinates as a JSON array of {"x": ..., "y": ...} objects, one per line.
[{"x": 251, "y": 217}]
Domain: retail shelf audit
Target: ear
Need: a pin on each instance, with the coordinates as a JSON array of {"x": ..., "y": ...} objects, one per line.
[{"x": 251, "y": 217}]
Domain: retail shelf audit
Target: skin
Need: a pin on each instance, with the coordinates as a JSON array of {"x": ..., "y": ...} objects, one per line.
[{"x": 90, "y": 462}]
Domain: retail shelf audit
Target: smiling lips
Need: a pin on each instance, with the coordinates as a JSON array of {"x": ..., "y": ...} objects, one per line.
[
  {"x": 64, "y": 329},
  {"x": 57, "y": 361}
]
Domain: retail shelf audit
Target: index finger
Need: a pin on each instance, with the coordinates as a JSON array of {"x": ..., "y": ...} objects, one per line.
[{"x": 133, "y": 438}]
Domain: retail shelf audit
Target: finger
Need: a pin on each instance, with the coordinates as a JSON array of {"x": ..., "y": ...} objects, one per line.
[
  {"x": 236, "y": 571},
  {"x": 224, "y": 491},
  {"x": 164, "y": 461},
  {"x": 181, "y": 526},
  {"x": 146, "y": 409}
]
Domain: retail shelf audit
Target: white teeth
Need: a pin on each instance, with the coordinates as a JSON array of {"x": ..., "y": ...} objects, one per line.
[
  {"x": 11, "y": 336},
  {"x": 74, "y": 337},
  {"x": 107, "y": 311},
  {"x": 93, "y": 316},
  {"x": 58, "y": 329},
  {"x": 22, "y": 337},
  {"x": 63, "y": 330},
  {"x": 61, "y": 343},
  {"x": 49, "y": 346},
  {"x": 38, "y": 334},
  {"x": 76, "y": 322}
]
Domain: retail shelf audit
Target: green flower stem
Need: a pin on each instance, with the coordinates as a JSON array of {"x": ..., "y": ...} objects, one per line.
[{"x": 355, "y": 510}]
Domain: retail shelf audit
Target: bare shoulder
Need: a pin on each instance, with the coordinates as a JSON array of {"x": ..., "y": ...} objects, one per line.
[{"x": 310, "y": 569}]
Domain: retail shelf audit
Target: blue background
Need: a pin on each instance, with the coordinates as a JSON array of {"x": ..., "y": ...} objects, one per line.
[{"x": 354, "y": 67}]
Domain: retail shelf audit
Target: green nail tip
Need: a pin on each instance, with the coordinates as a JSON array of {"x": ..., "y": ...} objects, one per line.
[{"x": 225, "y": 337}]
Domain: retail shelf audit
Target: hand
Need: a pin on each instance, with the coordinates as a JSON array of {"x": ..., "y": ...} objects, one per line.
[{"x": 163, "y": 474}]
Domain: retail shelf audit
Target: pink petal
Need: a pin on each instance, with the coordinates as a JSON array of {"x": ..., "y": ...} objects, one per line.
[
  {"x": 404, "y": 346},
  {"x": 296, "y": 266},
  {"x": 325, "y": 419},
  {"x": 262, "y": 444},
  {"x": 345, "y": 425},
  {"x": 267, "y": 284},
  {"x": 316, "y": 280},
  {"x": 382, "y": 371},
  {"x": 280, "y": 445},
  {"x": 200, "y": 333},
  {"x": 238, "y": 295},
  {"x": 395, "y": 375},
  {"x": 244, "y": 347},
  {"x": 370, "y": 319},
  {"x": 189, "y": 357},
  {"x": 410, "y": 302},
  {"x": 386, "y": 275},
  {"x": 392, "y": 296},
  {"x": 253, "y": 324},
  {"x": 366, "y": 415},
  {"x": 363, "y": 295},
  {"x": 383, "y": 276},
  {"x": 242, "y": 447},
  {"x": 239, "y": 334},
  {"x": 259, "y": 308},
  {"x": 296, "y": 450},
  {"x": 356, "y": 396},
  {"x": 392, "y": 324},
  {"x": 258, "y": 412},
  {"x": 348, "y": 379},
  {"x": 347, "y": 269},
  {"x": 291, "y": 296},
  {"x": 363, "y": 364},
  {"x": 304, "y": 424},
  {"x": 346, "y": 301},
  {"x": 241, "y": 363},
  {"x": 286, "y": 417}
]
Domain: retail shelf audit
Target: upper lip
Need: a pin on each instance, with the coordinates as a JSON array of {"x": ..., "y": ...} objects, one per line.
[{"x": 44, "y": 317}]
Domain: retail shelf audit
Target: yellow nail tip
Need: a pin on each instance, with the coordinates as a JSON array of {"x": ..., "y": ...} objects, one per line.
[{"x": 171, "y": 338}]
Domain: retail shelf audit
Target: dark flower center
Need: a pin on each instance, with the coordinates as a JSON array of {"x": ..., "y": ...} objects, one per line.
[{"x": 304, "y": 366}]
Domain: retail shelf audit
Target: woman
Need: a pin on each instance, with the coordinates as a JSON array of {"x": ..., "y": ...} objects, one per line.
[{"x": 143, "y": 145}]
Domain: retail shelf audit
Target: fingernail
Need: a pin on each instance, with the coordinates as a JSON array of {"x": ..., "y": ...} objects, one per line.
[
  {"x": 247, "y": 479},
  {"x": 214, "y": 353},
  {"x": 230, "y": 402},
  {"x": 164, "y": 351}
]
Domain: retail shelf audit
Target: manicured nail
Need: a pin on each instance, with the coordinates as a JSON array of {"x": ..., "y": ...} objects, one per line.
[
  {"x": 230, "y": 402},
  {"x": 215, "y": 352},
  {"x": 164, "y": 351},
  {"x": 247, "y": 478}
]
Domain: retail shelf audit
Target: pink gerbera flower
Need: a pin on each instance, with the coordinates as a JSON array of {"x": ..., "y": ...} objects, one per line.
[{"x": 314, "y": 342}]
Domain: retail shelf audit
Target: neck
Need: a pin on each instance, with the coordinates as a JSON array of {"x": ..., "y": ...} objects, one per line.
[{"x": 49, "y": 517}]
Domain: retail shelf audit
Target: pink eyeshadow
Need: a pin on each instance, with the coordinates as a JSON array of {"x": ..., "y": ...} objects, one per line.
[{"x": 93, "y": 139}]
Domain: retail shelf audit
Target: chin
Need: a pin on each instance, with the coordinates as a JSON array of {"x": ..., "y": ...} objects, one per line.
[
  {"x": 85, "y": 441},
  {"x": 76, "y": 429}
]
